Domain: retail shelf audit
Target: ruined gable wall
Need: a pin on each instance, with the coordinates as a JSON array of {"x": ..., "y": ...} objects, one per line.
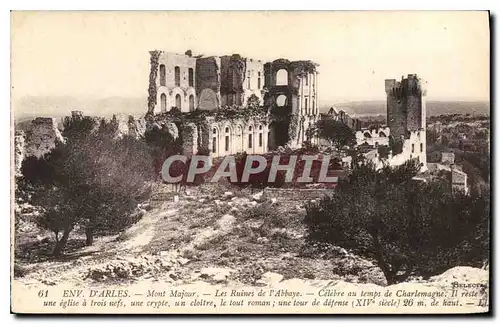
[
  {"x": 184, "y": 62},
  {"x": 254, "y": 73},
  {"x": 233, "y": 71}
]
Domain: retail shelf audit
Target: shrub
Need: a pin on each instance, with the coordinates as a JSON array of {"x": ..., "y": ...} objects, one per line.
[
  {"x": 396, "y": 145},
  {"x": 407, "y": 227},
  {"x": 336, "y": 132}
]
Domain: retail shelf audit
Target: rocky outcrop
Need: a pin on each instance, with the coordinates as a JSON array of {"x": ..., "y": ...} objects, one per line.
[
  {"x": 42, "y": 137},
  {"x": 172, "y": 130},
  {"x": 136, "y": 127}
]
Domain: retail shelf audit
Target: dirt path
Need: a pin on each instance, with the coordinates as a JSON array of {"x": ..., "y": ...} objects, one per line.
[{"x": 143, "y": 232}]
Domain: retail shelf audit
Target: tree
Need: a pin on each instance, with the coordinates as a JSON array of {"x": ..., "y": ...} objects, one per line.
[
  {"x": 336, "y": 132},
  {"x": 383, "y": 152},
  {"x": 91, "y": 180},
  {"x": 407, "y": 226},
  {"x": 162, "y": 145},
  {"x": 396, "y": 144}
]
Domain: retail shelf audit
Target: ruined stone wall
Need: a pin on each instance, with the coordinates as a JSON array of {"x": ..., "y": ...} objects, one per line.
[
  {"x": 208, "y": 82},
  {"x": 250, "y": 136},
  {"x": 163, "y": 88},
  {"x": 254, "y": 80},
  {"x": 300, "y": 111},
  {"x": 184, "y": 62},
  {"x": 413, "y": 147},
  {"x": 373, "y": 137},
  {"x": 190, "y": 139},
  {"x": 153, "y": 107},
  {"x": 233, "y": 73}
]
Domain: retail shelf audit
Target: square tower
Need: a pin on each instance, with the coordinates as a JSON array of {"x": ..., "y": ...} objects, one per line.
[{"x": 405, "y": 105}]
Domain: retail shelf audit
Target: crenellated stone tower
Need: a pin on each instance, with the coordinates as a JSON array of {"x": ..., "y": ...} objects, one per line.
[
  {"x": 405, "y": 105},
  {"x": 406, "y": 114}
]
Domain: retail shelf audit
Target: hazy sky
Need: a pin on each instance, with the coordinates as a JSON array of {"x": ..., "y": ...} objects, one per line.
[{"x": 104, "y": 54}]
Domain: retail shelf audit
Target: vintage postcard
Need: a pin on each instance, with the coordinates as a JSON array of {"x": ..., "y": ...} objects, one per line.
[{"x": 257, "y": 162}]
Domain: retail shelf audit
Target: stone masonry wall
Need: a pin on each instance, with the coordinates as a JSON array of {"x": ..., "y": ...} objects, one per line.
[{"x": 208, "y": 76}]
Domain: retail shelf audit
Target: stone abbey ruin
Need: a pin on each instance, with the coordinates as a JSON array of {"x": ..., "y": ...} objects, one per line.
[
  {"x": 224, "y": 105},
  {"x": 232, "y": 104}
]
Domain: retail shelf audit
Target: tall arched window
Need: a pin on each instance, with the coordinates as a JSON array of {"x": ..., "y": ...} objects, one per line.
[
  {"x": 191, "y": 103},
  {"x": 250, "y": 137},
  {"x": 163, "y": 102},
  {"x": 282, "y": 77},
  {"x": 228, "y": 133},
  {"x": 260, "y": 136},
  {"x": 305, "y": 106},
  {"x": 177, "y": 76},
  {"x": 214, "y": 140},
  {"x": 178, "y": 101},
  {"x": 163, "y": 75},
  {"x": 191, "y": 77}
]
